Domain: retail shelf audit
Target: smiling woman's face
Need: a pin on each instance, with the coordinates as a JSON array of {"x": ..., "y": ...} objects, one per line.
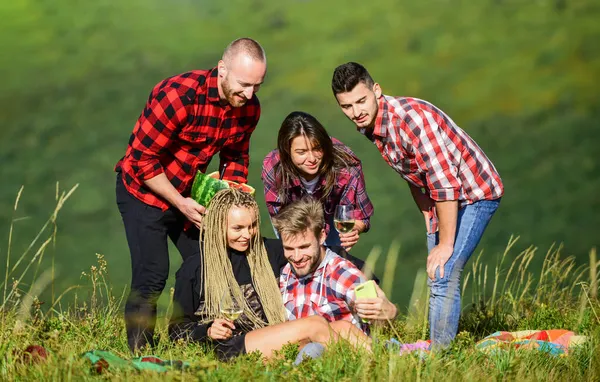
[
  {"x": 241, "y": 228},
  {"x": 306, "y": 157}
]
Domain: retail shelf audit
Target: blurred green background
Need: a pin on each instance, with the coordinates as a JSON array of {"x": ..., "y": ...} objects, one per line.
[{"x": 521, "y": 77}]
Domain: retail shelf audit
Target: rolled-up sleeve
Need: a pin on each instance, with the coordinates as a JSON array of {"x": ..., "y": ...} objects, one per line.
[{"x": 355, "y": 193}]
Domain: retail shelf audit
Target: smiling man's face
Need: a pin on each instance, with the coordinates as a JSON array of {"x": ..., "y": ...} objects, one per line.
[
  {"x": 240, "y": 79},
  {"x": 304, "y": 251},
  {"x": 360, "y": 104}
]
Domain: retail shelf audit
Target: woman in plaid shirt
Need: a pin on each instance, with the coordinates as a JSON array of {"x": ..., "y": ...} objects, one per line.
[{"x": 308, "y": 161}]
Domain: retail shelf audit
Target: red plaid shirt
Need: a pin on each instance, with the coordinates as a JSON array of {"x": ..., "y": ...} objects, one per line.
[
  {"x": 327, "y": 292},
  {"x": 430, "y": 151},
  {"x": 349, "y": 188},
  {"x": 182, "y": 126}
]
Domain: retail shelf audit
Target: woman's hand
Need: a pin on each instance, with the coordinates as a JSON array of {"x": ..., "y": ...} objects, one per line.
[
  {"x": 221, "y": 329},
  {"x": 349, "y": 239}
]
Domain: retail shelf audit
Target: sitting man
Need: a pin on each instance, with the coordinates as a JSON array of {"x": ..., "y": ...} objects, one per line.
[
  {"x": 317, "y": 280},
  {"x": 233, "y": 258}
]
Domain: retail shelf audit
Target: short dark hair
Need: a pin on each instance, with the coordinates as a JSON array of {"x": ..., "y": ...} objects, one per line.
[{"x": 348, "y": 75}]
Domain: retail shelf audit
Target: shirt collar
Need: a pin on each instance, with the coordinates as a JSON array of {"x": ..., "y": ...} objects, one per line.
[
  {"x": 296, "y": 182},
  {"x": 213, "y": 87},
  {"x": 381, "y": 120}
]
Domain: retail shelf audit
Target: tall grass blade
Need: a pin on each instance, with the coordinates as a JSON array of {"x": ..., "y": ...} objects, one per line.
[
  {"x": 10, "y": 233},
  {"x": 593, "y": 274},
  {"x": 371, "y": 262},
  {"x": 418, "y": 300},
  {"x": 390, "y": 268},
  {"x": 25, "y": 308}
]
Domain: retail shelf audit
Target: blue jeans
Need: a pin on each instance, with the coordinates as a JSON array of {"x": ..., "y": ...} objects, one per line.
[{"x": 444, "y": 300}]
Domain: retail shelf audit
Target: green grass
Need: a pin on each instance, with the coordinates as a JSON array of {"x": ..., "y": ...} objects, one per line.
[
  {"x": 511, "y": 297},
  {"x": 519, "y": 76}
]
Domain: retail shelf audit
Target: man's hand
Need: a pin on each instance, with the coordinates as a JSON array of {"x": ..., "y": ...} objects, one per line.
[
  {"x": 438, "y": 257},
  {"x": 221, "y": 329},
  {"x": 440, "y": 254},
  {"x": 161, "y": 186},
  {"x": 192, "y": 210},
  {"x": 379, "y": 308}
]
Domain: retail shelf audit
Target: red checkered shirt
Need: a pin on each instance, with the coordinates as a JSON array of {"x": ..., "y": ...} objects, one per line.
[
  {"x": 430, "y": 151},
  {"x": 182, "y": 126},
  {"x": 349, "y": 188},
  {"x": 327, "y": 292}
]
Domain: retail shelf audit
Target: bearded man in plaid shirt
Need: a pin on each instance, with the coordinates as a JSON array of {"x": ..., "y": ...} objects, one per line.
[
  {"x": 317, "y": 280},
  {"x": 452, "y": 181},
  {"x": 188, "y": 118}
]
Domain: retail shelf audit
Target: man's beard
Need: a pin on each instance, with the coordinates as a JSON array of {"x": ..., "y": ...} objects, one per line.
[
  {"x": 314, "y": 264},
  {"x": 229, "y": 94}
]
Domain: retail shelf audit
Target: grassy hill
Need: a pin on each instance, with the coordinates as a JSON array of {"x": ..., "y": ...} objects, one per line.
[{"x": 520, "y": 77}]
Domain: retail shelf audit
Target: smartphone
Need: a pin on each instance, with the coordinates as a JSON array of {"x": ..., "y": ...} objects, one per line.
[{"x": 366, "y": 290}]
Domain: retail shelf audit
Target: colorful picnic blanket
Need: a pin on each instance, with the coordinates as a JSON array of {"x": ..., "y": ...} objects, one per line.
[
  {"x": 104, "y": 360},
  {"x": 555, "y": 342}
]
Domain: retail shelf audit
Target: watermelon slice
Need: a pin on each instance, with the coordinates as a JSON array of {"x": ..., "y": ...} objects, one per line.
[{"x": 205, "y": 186}]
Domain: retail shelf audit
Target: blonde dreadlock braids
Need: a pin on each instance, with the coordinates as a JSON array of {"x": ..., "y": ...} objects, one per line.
[{"x": 217, "y": 271}]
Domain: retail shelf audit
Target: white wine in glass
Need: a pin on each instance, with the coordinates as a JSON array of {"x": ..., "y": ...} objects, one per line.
[
  {"x": 230, "y": 306},
  {"x": 343, "y": 219}
]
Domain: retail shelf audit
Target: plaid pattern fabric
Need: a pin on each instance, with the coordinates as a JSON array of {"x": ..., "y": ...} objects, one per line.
[
  {"x": 180, "y": 129},
  {"x": 327, "y": 292},
  {"x": 349, "y": 188},
  {"x": 430, "y": 151}
]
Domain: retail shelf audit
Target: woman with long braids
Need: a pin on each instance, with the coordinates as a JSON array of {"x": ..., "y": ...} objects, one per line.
[
  {"x": 235, "y": 259},
  {"x": 308, "y": 161}
]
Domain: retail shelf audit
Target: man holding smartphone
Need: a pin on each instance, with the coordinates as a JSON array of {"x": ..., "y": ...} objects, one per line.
[{"x": 317, "y": 280}]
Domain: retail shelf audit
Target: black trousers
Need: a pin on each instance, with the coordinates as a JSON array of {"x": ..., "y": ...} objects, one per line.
[{"x": 147, "y": 229}]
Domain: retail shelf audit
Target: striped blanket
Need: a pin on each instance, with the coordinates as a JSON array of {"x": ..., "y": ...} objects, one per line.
[{"x": 556, "y": 342}]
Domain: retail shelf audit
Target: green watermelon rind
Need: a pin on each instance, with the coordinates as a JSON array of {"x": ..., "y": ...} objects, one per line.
[{"x": 205, "y": 187}]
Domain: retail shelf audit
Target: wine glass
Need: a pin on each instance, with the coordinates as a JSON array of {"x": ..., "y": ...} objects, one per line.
[
  {"x": 230, "y": 306},
  {"x": 343, "y": 218}
]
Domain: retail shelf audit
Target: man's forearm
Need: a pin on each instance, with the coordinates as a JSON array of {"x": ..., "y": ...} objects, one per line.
[
  {"x": 423, "y": 201},
  {"x": 447, "y": 213},
  {"x": 161, "y": 186}
]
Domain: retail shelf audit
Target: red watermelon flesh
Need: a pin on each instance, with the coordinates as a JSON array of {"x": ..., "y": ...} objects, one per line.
[{"x": 239, "y": 186}]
